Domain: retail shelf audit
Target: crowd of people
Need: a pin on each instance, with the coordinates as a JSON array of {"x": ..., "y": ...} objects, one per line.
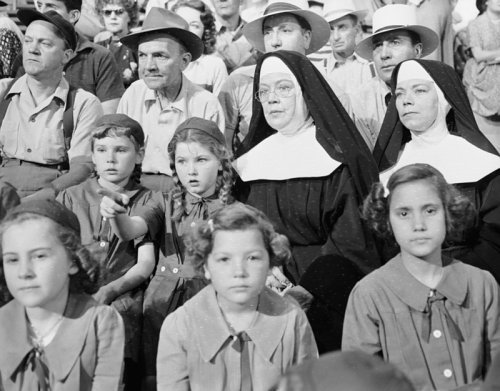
[{"x": 308, "y": 199}]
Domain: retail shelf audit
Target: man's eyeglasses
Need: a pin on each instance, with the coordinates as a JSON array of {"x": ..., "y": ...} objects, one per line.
[
  {"x": 282, "y": 90},
  {"x": 117, "y": 12}
]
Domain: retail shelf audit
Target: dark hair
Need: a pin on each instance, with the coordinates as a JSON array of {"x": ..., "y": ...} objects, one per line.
[
  {"x": 118, "y": 131},
  {"x": 86, "y": 280},
  {"x": 481, "y": 5},
  {"x": 130, "y": 6},
  {"x": 208, "y": 20},
  {"x": 235, "y": 217},
  {"x": 225, "y": 177},
  {"x": 460, "y": 213},
  {"x": 73, "y": 5}
]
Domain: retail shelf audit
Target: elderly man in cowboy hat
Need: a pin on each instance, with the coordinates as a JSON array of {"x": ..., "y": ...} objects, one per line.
[
  {"x": 284, "y": 25},
  {"x": 349, "y": 70},
  {"x": 164, "y": 97},
  {"x": 396, "y": 37}
]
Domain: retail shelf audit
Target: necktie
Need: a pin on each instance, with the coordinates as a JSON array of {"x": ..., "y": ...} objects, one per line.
[
  {"x": 34, "y": 362},
  {"x": 241, "y": 346},
  {"x": 436, "y": 300}
]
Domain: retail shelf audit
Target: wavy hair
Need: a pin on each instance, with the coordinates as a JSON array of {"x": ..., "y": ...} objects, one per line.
[
  {"x": 85, "y": 280},
  {"x": 130, "y": 7},
  {"x": 208, "y": 20},
  {"x": 118, "y": 131},
  {"x": 460, "y": 214},
  {"x": 225, "y": 177},
  {"x": 236, "y": 217}
]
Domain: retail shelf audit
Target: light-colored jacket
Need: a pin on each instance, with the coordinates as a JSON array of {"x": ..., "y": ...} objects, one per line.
[{"x": 86, "y": 353}]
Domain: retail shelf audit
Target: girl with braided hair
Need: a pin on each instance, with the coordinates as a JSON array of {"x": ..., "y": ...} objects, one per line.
[{"x": 203, "y": 178}]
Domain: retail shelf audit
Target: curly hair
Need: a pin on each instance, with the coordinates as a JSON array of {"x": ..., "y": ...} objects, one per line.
[
  {"x": 225, "y": 177},
  {"x": 117, "y": 131},
  {"x": 460, "y": 214},
  {"x": 236, "y": 217},
  {"x": 208, "y": 20},
  {"x": 86, "y": 279},
  {"x": 130, "y": 6}
]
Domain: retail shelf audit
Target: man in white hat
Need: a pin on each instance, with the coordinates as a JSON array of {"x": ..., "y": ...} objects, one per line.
[
  {"x": 349, "y": 70},
  {"x": 164, "y": 97},
  {"x": 396, "y": 37},
  {"x": 284, "y": 25}
]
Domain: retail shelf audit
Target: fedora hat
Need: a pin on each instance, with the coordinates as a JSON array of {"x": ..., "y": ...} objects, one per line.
[
  {"x": 161, "y": 20},
  {"x": 337, "y": 9},
  {"x": 398, "y": 17},
  {"x": 320, "y": 29}
]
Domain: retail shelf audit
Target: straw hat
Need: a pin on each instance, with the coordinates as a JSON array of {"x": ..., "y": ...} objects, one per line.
[
  {"x": 161, "y": 20},
  {"x": 398, "y": 17},
  {"x": 319, "y": 26},
  {"x": 337, "y": 9}
]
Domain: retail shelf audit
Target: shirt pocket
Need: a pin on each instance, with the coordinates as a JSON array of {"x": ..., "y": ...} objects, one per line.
[
  {"x": 53, "y": 147},
  {"x": 9, "y": 137}
]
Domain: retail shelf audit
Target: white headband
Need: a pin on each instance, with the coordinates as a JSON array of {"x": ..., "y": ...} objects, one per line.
[{"x": 274, "y": 64}]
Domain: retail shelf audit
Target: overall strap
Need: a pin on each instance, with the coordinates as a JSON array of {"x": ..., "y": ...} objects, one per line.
[
  {"x": 5, "y": 100},
  {"x": 68, "y": 125}
]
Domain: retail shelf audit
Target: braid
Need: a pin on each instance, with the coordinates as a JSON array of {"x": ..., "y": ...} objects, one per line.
[
  {"x": 225, "y": 182},
  {"x": 178, "y": 193}
]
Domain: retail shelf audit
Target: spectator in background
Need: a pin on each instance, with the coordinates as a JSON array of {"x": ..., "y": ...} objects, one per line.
[
  {"x": 119, "y": 17},
  {"x": 346, "y": 68},
  {"x": 396, "y": 37},
  {"x": 91, "y": 67},
  {"x": 11, "y": 39},
  {"x": 231, "y": 45},
  {"x": 208, "y": 71},
  {"x": 164, "y": 97},
  {"x": 482, "y": 71},
  {"x": 284, "y": 25}
]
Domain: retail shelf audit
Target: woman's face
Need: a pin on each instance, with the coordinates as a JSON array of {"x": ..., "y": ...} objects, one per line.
[
  {"x": 493, "y": 5},
  {"x": 278, "y": 97},
  {"x": 116, "y": 19},
  {"x": 417, "y": 104},
  {"x": 193, "y": 17}
]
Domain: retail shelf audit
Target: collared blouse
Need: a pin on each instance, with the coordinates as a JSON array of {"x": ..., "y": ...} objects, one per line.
[
  {"x": 387, "y": 310},
  {"x": 196, "y": 345},
  {"x": 86, "y": 353}
]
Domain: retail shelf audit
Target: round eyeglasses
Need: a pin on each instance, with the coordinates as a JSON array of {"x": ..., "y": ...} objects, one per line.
[{"x": 282, "y": 91}]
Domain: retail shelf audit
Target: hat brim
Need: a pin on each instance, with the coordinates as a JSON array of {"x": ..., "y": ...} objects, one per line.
[
  {"x": 360, "y": 15},
  {"x": 428, "y": 37},
  {"x": 2, "y": 3},
  {"x": 191, "y": 41},
  {"x": 319, "y": 27}
]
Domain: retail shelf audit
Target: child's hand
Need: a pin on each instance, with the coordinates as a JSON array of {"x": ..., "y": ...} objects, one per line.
[
  {"x": 277, "y": 281},
  {"x": 112, "y": 203},
  {"x": 104, "y": 295}
]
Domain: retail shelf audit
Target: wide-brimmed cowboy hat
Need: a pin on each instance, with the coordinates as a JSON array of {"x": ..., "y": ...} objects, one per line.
[
  {"x": 320, "y": 29},
  {"x": 337, "y": 9},
  {"x": 160, "y": 20},
  {"x": 398, "y": 17}
]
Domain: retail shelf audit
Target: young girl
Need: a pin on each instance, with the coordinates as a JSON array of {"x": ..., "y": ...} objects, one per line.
[
  {"x": 117, "y": 151},
  {"x": 236, "y": 334},
  {"x": 203, "y": 176},
  {"x": 53, "y": 335},
  {"x": 433, "y": 316}
]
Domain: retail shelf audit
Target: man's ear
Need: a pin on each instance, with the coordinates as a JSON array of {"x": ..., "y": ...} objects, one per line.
[
  {"x": 68, "y": 55},
  {"x": 307, "y": 34},
  {"x": 418, "y": 50},
  {"x": 185, "y": 60},
  {"x": 74, "y": 16}
]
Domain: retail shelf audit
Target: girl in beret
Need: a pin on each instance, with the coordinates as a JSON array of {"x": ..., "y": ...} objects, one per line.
[{"x": 53, "y": 334}]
